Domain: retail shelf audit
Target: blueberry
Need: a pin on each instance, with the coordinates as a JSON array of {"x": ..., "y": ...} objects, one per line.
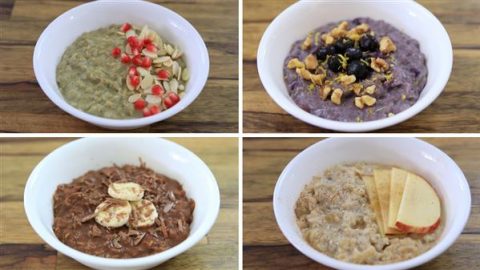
[
  {"x": 359, "y": 69},
  {"x": 353, "y": 53},
  {"x": 368, "y": 43},
  {"x": 330, "y": 50},
  {"x": 335, "y": 63},
  {"x": 343, "y": 44},
  {"x": 322, "y": 53}
]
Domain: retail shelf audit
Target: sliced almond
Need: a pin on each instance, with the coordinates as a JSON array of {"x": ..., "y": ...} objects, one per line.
[
  {"x": 174, "y": 85},
  {"x": 162, "y": 59},
  {"x": 185, "y": 75},
  {"x": 175, "y": 67},
  {"x": 134, "y": 97},
  {"x": 166, "y": 86},
  {"x": 177, "y": 53},
  {"x": 129, "y": 191},
  {"x": 179, "y": 73},
  {"x": 113, "y": 213},
  {"x": 147, "y": 81},
  {"x": 149, "y": 54},
  {"x": 142, "y": 71},
  {"x": 129, "y": 85},
  {"x": 144, "y": 32},
  {"x": 128, "y": 49},
  {"x": 153, "y": 99},
  {"x": 169, "y": 49},
  {"x": 143, "y": 214}
]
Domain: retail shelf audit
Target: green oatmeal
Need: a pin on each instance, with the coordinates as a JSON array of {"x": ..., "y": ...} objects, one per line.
[{"x": 91, "y": 80}]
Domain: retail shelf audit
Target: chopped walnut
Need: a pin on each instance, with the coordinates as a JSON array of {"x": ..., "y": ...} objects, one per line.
[
  {"x": 325, "y": 91},
  {"x": 368, "y": 100},
  {"x": 311, "y": 62},
  {"x": 305, "y": 74},
  {"x": 307, "y": 43},
  {"x": 353, "y": 36},
  {"x": 379, "y": 65},
  {"x": 404, "y": 97},
  {"x": 317, "y": 78},
  {"x": 387, "y": 46},
  {"x": 343, "y": 25},
  {"x": 328, "y": 39},
  {"x": 295, "y": 63},
  {"x": 359, "y": 103},
  {"x": 317, "y": 38},
  {"x": 390, "y": 114},
  {"x": 357, "y": 88},
  {"x": 370, "y": 90},
  {"x": 347, "y": 79},
  {"x": 336, "y": 97},
  {"x": 361, "y": 29},
  {"x": 338, "y": 33}
]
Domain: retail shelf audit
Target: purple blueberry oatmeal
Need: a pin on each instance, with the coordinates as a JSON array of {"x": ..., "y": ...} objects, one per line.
[{"x": 354, "y": 71}]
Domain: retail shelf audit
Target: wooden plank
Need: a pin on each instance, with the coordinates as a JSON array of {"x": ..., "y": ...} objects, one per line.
[
  {"x": 462, "y": 256},
  {"x": 27, "y": 257}
]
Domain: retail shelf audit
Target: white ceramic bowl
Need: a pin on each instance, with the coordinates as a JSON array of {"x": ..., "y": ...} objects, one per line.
[
  {"x": 76, "y": 158},
  {"x": 409, "y": 153},
  {"x": 63, "y": 31},
  {"x": 297, "y": 20}
]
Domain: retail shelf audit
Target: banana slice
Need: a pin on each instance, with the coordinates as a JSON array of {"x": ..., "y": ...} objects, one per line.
[
  {"x": 143, "y": 214},
  {"x": 113, "y": 213},
  {"x": 126, "y": 191}
]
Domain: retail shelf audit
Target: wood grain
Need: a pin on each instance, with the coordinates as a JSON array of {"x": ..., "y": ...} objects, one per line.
[
  {"x": 22, "y": 248},
  {"x": 265, "y": 247},
  {"x": 456, "y": 110},
  {"x": 24, "y": 107}
]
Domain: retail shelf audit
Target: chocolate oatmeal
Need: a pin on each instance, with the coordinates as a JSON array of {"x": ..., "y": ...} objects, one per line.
[{"x": 122, "y": 212}]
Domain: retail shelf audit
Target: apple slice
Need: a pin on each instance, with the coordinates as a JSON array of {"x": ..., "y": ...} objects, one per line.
[
  {"x": 397, "y": 185},
  {"x": 382, "y": 183},
  {"x": 374, "y": 203},
  {"x": 420, "y": 208}
]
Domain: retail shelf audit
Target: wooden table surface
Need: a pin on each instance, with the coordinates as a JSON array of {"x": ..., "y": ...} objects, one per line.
[
  {"x": 25, "y": 108},
  {"x": 265, "y": 247},
  {"x": 22, "y": 248},
  {"x": 456, "y": 110}
]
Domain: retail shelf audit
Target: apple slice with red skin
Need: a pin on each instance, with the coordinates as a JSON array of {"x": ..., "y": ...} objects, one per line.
[{"x": 420, "y": 208}]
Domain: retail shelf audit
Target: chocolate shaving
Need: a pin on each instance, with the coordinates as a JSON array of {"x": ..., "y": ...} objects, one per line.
[{"x": 139, "y": 239}]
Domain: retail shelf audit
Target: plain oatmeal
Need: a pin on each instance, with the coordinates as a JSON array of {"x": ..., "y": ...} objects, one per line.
[{"x": 335, "y": 216}]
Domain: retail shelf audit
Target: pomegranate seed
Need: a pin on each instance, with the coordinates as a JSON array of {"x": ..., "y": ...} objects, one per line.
[
  {"x": 174, "y": 97},
  {"x": 151, "y": 48},
  {"x": 157, "y": 90},
  {"x": 139, "y": 104},
  {"x": 154, "y": 109},
  {"x": 133, "y": 42},
  {"x": 147, "y": 41},
  {"x": 125, "y": 58},
  {"x": 116, "y": 52},
  {"x": 135, "y": 80},
  {"x": 168, "y": 102},
  {"x": 132, "y": 71},
  {"x": 146, "y": 62},
  {"x": 125, "y": 27},
  {"x": 147, "y": 112},
  {"x": 140, "y": 44},
  {"x": 135, "y": 51},
  {"x": 137, "y": 60},
  {"x": 163, "y": 74}
]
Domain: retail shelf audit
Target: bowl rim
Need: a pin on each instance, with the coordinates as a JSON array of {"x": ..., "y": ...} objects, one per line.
[
  {"x": 436, "y": 250},
  {"x": 210, "y": 217},
  {"x": 294, "y": 110},
  {"x": 57, "y": 99}
]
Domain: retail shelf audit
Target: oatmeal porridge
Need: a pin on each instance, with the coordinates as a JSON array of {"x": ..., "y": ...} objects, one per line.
[{"x": 337, "y": 216}]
